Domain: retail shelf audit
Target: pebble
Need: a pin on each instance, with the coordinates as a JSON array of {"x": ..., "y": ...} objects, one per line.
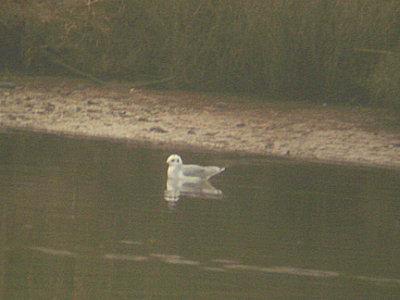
[
  {"x": 221, "y": 105},
  {"x": 94, "y": 110},
  {"x": 158, "y": 129}
]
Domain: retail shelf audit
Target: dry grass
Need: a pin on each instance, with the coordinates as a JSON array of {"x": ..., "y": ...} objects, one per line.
[{"x": 298, "y": 47}]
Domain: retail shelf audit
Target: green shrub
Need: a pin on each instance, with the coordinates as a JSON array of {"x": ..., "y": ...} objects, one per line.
[{"x": 385, "y": 80}]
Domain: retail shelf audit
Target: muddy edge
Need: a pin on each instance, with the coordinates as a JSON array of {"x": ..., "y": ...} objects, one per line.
[{"x": 297, "y": 129}]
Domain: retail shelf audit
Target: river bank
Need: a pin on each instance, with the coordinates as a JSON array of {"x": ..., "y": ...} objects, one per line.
[{"x": 301, "y": 130}]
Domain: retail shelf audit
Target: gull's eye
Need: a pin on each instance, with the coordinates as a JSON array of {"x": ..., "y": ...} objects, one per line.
[{"x": 173, "y": 160}]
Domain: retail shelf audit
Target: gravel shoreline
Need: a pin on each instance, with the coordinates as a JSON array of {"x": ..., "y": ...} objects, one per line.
[{"x": 209, "y": 121}]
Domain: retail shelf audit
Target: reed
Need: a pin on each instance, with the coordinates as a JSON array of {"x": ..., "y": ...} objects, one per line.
[{"x": 304, "y": 48}]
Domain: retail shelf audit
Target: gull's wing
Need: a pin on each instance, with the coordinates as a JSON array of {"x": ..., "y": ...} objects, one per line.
[{"x": 199, "y": 171}]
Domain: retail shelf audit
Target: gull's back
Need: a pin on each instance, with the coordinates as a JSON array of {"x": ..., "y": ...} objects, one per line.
[{"x": 200, "y": 172}]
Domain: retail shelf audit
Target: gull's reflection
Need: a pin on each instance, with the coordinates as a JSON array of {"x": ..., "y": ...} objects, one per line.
[{"x": 177, "y": 188}]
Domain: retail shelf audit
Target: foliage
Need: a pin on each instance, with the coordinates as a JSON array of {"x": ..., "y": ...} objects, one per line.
[{"x": 305, "y": 48}]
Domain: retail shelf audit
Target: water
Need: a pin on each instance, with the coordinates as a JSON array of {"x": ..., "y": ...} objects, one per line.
[{"x": 89, "y": 219}]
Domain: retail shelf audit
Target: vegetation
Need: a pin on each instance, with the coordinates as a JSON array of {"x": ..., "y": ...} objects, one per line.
[{"x": 341, "y": 49}]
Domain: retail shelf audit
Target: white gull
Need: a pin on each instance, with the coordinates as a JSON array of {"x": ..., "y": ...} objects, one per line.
[{"x": 193, "y": 173}]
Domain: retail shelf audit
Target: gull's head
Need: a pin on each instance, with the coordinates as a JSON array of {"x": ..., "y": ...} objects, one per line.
[{"x": 174, "y": 160}]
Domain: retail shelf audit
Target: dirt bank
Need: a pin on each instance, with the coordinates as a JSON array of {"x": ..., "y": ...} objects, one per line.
[{"x": 228, "y": 123}]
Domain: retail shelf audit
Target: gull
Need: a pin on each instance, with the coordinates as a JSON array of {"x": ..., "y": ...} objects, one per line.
[{"x": 192, "y": 173}]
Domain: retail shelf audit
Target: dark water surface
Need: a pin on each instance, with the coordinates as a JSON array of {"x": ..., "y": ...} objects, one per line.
[{"x": 89, "y": 219}]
